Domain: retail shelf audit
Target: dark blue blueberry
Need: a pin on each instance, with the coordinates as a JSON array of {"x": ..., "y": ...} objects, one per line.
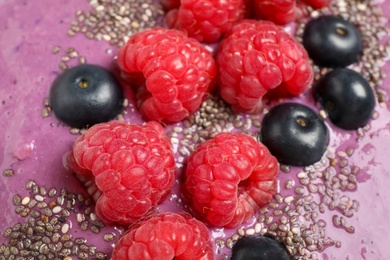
[
  {"x": 332, "y": 41},
  {"x": 347, "y": 97},
  {"x": 259, "y": 248},
  {"x": 294, "y": 134},
  {"x": 86, "y": 95}
]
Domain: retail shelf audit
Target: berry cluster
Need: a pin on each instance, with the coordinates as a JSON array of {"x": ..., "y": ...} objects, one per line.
[
  {"x": 173, "y": 73},
  {"x": 208, "y": 20},
  {"x": 133, "y": 167},
  {"x": 230, "y": 177}
]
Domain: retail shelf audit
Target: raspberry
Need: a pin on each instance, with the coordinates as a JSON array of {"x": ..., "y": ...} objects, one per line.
[
  {"x": 165, "y": 236},
  {"x": 171, "y": 73},
  {"x": 316, "y": 4},
  {"x": 170, "y": 4},
  {"x": 132, "y": 165},
  {"x": 284, "y": 11},
  {"x": 228, "y": 178},
  {"x": 277, "y": 11},
  {"x": 259, "y": 56},
  {"x": 206, "y": 20}
]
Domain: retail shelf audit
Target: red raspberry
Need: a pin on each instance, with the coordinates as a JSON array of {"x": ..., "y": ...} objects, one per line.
[
  {"x": 172, "y": 73},
  {"x": 170, "y": 4},
  {"x": 228, "y": 178},
  {"x": 316, "y": 4},
  {"x": 133, "y": 166},
  {"x": 256, "y": 57},
  {"x": 165, "y": 236},
  {"x": 206, "y": 20},
  {"x": 284, "y": 11},
  {"x": 277, "y": 11}
]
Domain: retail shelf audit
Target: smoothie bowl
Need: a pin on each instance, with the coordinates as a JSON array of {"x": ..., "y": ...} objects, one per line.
[{"x": 334, "y": 207}]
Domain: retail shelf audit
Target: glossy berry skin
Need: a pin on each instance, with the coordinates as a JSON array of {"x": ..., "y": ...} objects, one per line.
[
  {"x": 284, "y": 11},
  {"x": 347, "y": 97},
  {"x": 170, "y": 4},
  {"x": 229, "y": 178},
  {"x": 132, "y": 165},
  {"x": 259, "y": 248},
  {"x": 165, "y": 236},
  {"x": 207, "y": 20},
  {"x": 332, "y": 41},
  {"x": 279, "y": 12},
  {"x": 315, "y": 4},
  {"x": 294, "y": 134},
  {"x": 171, "y": 73},
  {"x": 86, "y": 95},
  {"x": 258, "y": 57}
]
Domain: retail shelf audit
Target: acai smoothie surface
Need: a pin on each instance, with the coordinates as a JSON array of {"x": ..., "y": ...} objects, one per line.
[{"x": 336, "y": 208}]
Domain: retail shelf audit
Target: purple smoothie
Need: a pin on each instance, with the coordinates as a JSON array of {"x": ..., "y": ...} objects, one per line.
[{"x": 33, "y": 147}]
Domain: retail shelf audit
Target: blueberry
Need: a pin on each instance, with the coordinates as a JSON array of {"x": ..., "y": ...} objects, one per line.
[
  {"x": 259, "y": 248},
  {"x": 86, "y": 95},
  {"x": 332, "y": 41},
  {"x": 294, "y": 134},
  {"x": 347, "y": 97}
]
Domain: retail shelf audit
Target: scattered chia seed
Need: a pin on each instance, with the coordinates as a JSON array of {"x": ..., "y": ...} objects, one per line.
[
  {"x": 95, "y": 229},
  {"x": 108, "y": 237},
  {"x": 116, "y": 21},
  {"x": 45, "y": 232},
  {"x": 8, "y": 172}
]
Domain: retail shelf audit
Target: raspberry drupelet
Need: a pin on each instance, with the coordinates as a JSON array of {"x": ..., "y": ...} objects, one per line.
[
  {"x": 133, "y": 167},
  {"x": 229, "y": 178},
  {"x": 171, "y": 73},
  {"x": 259, "y": 57},
  {"x": 165, "y": 236}
]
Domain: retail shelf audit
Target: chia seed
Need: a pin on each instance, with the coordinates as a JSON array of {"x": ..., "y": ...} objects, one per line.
[
  {"x": 38, "y": 237},
  {"x": 116, "y": 21},
  {"x": 8, "y": 172},
  {"x": 108, "y": 237}
]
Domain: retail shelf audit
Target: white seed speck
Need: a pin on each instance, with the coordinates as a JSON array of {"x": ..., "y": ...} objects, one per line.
[
  {"x": 100, "y": 8},
  {"x": 106, "y": 37},
  {"x": 39, "y": 198},
  {"x": 258, "y": 227},
  {"x": 250, "y": 232},
  {"x": 25, "y": 200},
  {"x": 93, "y": 216},
  {"x": 296, "y": 230},
  {"x": 57, "y": 209},
  {"x": 65, "y": 228},
  {"x": 342, "y": 154},
  {"x": 80, "y": 217}
]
